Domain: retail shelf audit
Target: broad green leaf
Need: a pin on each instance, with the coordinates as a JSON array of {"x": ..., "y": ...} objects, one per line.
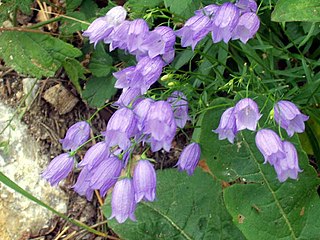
[
  {"x": 98, "y": 90},
  {"x": 296, "y": 10},
  {"x": 73, "y": 4},
  {"x": 261, "y": 206},
  {"x": 100, "y": 63},
  {"x": 35, "y": 54},
  {"x": 187, "y": 207},
  {"x": 7, "y": 7},
  {"x": 182, "y": 58},
  {"x": 75, "y": 72},
  {"x": 140, "y": 5},
  {"x": 70, "y": 26},
  {"x": 183, "y": 8}
]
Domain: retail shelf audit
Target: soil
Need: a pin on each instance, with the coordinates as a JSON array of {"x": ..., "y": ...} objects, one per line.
[{"x": 47, "y": 126}]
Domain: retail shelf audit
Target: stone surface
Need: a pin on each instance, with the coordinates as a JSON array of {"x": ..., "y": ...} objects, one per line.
[{"x": 20, "y": 160}]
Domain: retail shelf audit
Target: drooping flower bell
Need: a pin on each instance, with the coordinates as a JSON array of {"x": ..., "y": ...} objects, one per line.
[
  {"x": 58, "y": 168},
  {"x": 106, "y": 174},
  {"x": 194, "y": 30},
  {"x": 247, "y": 114},
  {"x": 270, "y": 145},
  {"x": 141, "y": 110},
  {"x": 179, "y": 105},
  {"x": 123, "y": 202},
  {"x": 119, "y": 36},
  {"x": 95, "y": 155},
  {"x": 82, "y": 186},
  {"x": 289, "y": 117},
  {"x": 127, "y": 97},
  {"x": 120, "y": 128},
  {"x": 144, "y": 181},
  {"x": 160, "y": 126},
  {"x": 246, "y": 5},
  {"x": 189, "y": 158},
  {"x": 288, "y": 167},
  {"x": 247, "y": 27},
  {"x": 124, "y": 77},
  {"x": 76, "y": 135},
  {"x": 137, "y": 32},
  {"x": 224, "y": 21},
  {"x": 159, "y": 42},
  {"x": 227, "y": 126},
  {"x": 102, "y": 27}
]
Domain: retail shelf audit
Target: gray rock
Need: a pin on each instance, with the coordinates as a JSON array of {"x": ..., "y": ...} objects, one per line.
[{"x": 20, "y": 160}]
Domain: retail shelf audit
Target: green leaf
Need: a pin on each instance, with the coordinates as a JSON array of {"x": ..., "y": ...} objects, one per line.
[
  {"x": 140, "y": 5},
  {"x": 9, "y": 6},
  {"x": 101, "y": 63},
  {"x": 35, "y": 54},
  {"x": 296, "y": 10},
  {"x": 98, "y": 90},
  {"x": 187, "y": 207},
  {"x": 260, "y": 205},
  {"x": 73, "y": 4},
  {"x": 182, "y": 58},
  {"x": 75, "y": 72},
  {"x": 183, "y": 8},
  {"x": 70, "y": 26}
]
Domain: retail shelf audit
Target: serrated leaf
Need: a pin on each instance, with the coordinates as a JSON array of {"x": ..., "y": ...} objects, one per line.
[
  {"x": 263, "y": 208},
  {"x": 183, "y": 8},
  {"x": 75, "y": 71},
  {"x": 35, "y": 54},
  {"x": 187, "y": 207},
  {"x": 98, "y": 90},
  {"x": 296, "y": 10},
  {"x": 100, "y": 63}
]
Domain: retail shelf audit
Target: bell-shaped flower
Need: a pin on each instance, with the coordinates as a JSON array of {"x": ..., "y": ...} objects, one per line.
[
  {"x": 141, "y": 110},
  {"x": 95, "y": 155},
  {"x": 159, "y": 41},
  {"x": 247, "y": 6},
  {"x": 179, "y": 105},
  {"x": 82, "y": 186},
  {"x": 127, "y": 97},
  {"x": 194, "y": 30},
  {"x": 227, "y": 126},
  {"x": 189, "y": 158},
  {"x": 120, "y": 128},
  {"x": 270, "y": 145},
  {"x": 289, "y": 117},
  {"x": 119, "y": 36},
  {"x": 208, "y": 10},
  {"x": 102, "y": 27},
  {"x": 106, "y": 174},
  {"x": 160, "y": 126},
  {"x": 58, "y": 168},
  {"x": 247, "y": 27},
  {"x": 76, "y": 135},
  {"x": 288, "y": 167},
  {"x": 247, "y": 114},
  {"x": 124, "y": 77},
  {"x": 224, "y": 21},
  {"x": 144, "y": 181},
  {"x": 137, "y": 32},
  {"x": 123, "y": 202}
]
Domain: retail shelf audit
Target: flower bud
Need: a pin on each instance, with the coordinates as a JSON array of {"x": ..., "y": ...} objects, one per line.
[{"x": 189, "y": 158}]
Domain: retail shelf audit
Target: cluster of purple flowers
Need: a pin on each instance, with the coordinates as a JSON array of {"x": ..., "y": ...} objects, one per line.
[
  {"x": 225, "y": 22},
  {"x": 282, "y": 155}
]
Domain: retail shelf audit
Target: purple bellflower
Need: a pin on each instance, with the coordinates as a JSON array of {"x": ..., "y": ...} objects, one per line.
[
  {"x": 127, "y": 97},
  {"x": 247, "y": 114},
  {"x": 106, "y": 174},
  {"x": 189, "y": 158},
  {"x": 194, "y": 30},
  {"x": 95, "y": 155},
  {"x": 160, "y": 125},
  {"x": 76, "y": 135},
  {"x": 123, "y": 202},
  {"x": 102, "y": 27},
  {"x": 144, "y": 181},
  {"x": 137, "y": 32},
  {"x": 209, "y": 10},
  {"x": 82, "y": 186},
  {"x": 124, "y": 77},
  {"x": 270, "y": 145},
  {"x": 58, "y": 168},
  {"x": 289, "y": 117},
  {"x": 247, "y": 27},
  {"x": 120, "y": 128},
  {"x": 141, "y": 110},
  {"x": 179, "y": 105},
  {"x": 159, "y": 42},
  {"x": 118, "y": 38},
  {"x": 224, "y": 21},
  {"x": 246, "y": 5},
  {"x": 288, "y": 167},
  {"x": 227, "y": 126}
]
